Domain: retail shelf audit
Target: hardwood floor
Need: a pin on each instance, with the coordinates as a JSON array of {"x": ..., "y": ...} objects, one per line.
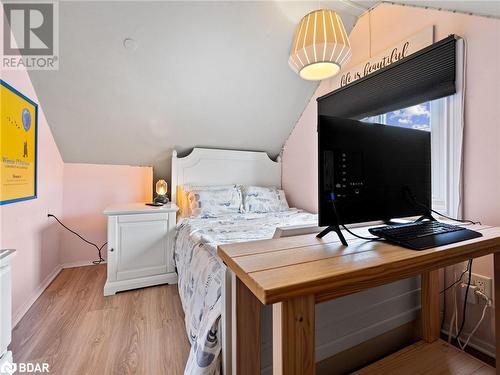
[
  {"x": 437, "y": 358},
  {"x": 77, "y": 330}
]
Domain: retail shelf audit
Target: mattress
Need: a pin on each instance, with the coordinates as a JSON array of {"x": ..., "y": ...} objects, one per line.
[{"x": 200, "y": 274}]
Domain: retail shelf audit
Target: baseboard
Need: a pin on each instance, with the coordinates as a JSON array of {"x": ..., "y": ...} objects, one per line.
[
  {"x": 18, "y": 315},
  {"x": 369, "y": 351},
  {"x": 81, "y": 263},
  {"x": 366, "y": 352},
  {"x": 112, "y": 287},
  {"x": 478, "y": 344},
  {"x": 362, "y": 335}
]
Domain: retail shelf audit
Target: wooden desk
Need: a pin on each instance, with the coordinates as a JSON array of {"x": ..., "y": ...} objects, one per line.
[{"x": 295, "y": 273}]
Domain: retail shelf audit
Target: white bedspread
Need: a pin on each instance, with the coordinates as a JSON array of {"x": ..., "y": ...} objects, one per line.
[{"x": 201, "y": 273}]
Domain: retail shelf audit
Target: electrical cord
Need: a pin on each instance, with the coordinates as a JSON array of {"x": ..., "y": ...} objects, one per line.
[
  {"x": 465, "y": 302},
  {"x": 363, "y": 238},
  {"x": 459, "y": 279},
  {"x": 453, "y": 219},
  {"x": 455, "y": 319},
  {"x": 469, "y": 264},
  {"x": 429, "y": 209},
  {"x": 488, "y": 304},
  {"x": 347, "y": 229},
  {"x": 99, "y": 248}
]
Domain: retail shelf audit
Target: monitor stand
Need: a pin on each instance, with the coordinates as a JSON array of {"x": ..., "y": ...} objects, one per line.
[
  {"x": 427, "y": 215},
  {"x": 333, "y": 228}
]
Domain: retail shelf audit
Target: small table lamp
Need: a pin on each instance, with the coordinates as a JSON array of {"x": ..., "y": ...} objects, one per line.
[{"x": 161, "y": 191}]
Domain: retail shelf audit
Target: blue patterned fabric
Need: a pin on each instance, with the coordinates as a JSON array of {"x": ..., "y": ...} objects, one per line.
[
  {"x": 201, "y": 274},
  {"x": 263, "y": 199},
  {"x": 214, "y": 202}
]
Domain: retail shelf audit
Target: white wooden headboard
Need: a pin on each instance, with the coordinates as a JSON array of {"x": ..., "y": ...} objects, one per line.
[{"x": 204, "y": 166}]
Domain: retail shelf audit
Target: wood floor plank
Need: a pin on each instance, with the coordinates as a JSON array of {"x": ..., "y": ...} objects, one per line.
[
  {"x": 485, "y": 370},
  {"x": 435, "y": 358},
  {"x": 77, "y": 330}
]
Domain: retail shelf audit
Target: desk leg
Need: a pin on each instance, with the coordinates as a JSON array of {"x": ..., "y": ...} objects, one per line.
[
  {"x": 496, "y": 280},
  {"x": 293, "y": 337},
  {"x": 247, "y": 331},
  {"x": 430, "y": 306}
]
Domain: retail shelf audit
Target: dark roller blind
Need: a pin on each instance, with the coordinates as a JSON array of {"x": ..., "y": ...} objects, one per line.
[{"x": 424, "y": 75}]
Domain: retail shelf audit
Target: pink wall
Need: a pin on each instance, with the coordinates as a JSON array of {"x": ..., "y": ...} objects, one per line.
[
  {"x": 88, "y": 190},
  {"x": 83, "y": 190},
  {"x": 389, "y": 24},
  {"x": 24, "y": 225},
  {"x": 77, "y": 194}
]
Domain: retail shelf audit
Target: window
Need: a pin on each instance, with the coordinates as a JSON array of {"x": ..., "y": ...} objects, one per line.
[
  {"x": 415, "y": 117},
  {"x": 433, "y": 116}
]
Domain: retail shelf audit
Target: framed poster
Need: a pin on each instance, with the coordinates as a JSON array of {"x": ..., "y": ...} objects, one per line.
[{"x": 18, "y": 145}]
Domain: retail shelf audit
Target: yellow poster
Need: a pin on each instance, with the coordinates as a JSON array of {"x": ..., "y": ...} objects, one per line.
[{"x": 18, "y": 143}]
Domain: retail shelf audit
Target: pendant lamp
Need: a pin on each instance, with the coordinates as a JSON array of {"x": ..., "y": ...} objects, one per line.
[{"x": 320, "y": 46}]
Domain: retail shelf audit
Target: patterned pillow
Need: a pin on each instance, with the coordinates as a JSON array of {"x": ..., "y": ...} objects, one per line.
[
  {"x": 183, "y": 195},
  {"x": 214, "y": 202},
  {"x": 263, "y": 199}
]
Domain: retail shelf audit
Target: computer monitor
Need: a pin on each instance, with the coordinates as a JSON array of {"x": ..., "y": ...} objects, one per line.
[{"x": 370, "y": 172}]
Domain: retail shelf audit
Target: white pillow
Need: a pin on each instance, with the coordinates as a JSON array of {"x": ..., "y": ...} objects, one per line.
[
  {"x": 263, "y": 199},
  {"x": 183, "y": 193},
  {"x": 213, "y": 202}
]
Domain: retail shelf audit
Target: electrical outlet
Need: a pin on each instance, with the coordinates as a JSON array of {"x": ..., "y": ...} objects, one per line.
[
  {"x": 471, "y": 296},
  {"x": 484, "y": 284}
]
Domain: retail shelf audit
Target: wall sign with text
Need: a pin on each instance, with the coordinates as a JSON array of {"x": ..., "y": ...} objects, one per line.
[
  {"x": 18, "y": 145},
  {"x": 387, "y": 57}
]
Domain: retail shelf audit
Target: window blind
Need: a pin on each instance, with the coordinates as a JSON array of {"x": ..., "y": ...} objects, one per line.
[{"x": 424, "y": 75}]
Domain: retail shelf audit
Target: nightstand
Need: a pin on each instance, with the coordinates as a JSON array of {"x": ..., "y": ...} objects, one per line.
[{"x": 140, "y": 246}]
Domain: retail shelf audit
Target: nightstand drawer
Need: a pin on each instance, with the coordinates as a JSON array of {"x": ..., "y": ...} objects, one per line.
[{"x": 142, "y": 217}]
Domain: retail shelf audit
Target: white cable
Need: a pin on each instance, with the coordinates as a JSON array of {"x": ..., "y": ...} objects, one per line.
[
  {"x": 484, "y": 296},
  {"x": 454, "y": 319},
  {"x": 456, "y": 311},
  {"x": 450, "y": 329},
  {"x": 488, "y": 304}
]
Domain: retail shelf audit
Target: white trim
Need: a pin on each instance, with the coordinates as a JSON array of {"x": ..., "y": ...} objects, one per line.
[
  {"x": 439, "y": 155},
  {"x": 80, "y": 263},
  {"x": 296, "y": 230},
  {"x": 359, "y": 336},
  {"x": 19, "y": 314},
  {"x": 448, "y": 139},
  {"x": 478, "y": 344},
  {"x": 112, "y": 287},
  {"x": 455, "y": 107}
]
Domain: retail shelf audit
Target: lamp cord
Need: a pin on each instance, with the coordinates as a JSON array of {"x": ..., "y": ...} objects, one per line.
[{"x": 99, "y": 248}]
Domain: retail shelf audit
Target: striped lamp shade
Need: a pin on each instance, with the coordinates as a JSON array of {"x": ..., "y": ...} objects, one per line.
[{"x": 320, "y": 46}]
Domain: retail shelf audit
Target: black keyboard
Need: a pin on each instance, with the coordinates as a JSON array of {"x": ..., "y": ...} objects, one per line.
[{"x": 422, "y": 235}]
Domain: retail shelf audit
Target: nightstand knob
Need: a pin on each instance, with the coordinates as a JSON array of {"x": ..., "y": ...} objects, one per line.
[{"x": 111, "y": 249}]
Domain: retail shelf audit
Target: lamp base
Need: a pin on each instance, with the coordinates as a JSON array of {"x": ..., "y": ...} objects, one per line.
[{"x": 163, "y": 199}]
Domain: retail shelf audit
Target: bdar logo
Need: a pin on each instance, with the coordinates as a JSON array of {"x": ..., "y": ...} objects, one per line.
[{"x": 8, "y": 368}]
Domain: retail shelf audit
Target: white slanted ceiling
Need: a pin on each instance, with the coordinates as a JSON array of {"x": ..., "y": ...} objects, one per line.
[{"x": 209, "y": 74}]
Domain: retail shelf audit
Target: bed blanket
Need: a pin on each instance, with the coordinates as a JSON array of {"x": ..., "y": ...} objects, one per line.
[{"x": 201, "y": 273}]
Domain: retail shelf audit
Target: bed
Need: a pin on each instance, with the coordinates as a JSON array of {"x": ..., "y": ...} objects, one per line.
[
  {"x": 203, "y": 284},
  {"x": 206, "y": 286}
]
